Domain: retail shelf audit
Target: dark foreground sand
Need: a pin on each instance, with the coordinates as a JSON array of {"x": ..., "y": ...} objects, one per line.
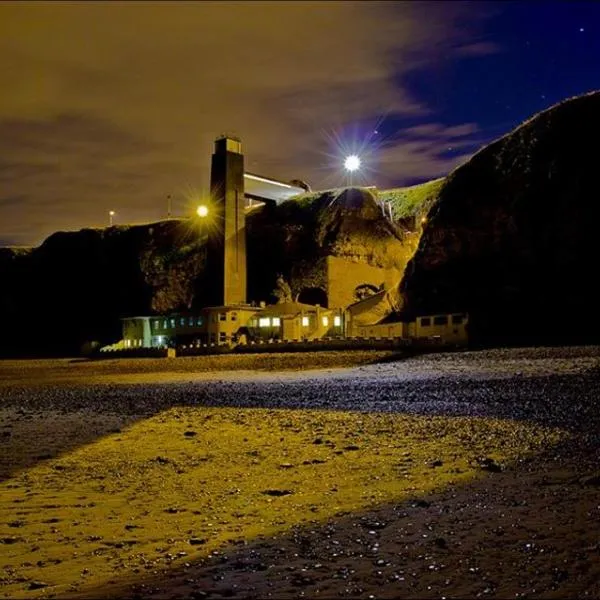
[{"x": 456, "y": 475}]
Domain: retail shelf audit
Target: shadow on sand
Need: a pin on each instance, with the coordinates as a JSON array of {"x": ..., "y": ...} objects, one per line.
[{"x": 518, "y": 533}]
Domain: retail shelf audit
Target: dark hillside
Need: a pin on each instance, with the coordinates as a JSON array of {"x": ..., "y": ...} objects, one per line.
[{"x": 513, "y": 234}]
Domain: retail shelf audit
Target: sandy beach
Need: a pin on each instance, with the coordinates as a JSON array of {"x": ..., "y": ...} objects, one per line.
[{"x": 321, "y": 475}]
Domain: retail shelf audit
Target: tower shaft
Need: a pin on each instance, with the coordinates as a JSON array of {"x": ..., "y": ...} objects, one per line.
[{"x": 227, "y": 244}]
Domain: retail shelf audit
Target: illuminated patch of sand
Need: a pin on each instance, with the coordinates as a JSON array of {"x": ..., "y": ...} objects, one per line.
[{"x": 188, "y": 481}]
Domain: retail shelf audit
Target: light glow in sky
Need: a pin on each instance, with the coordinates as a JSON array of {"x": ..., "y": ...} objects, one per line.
[{"x": 352, "y": 163}]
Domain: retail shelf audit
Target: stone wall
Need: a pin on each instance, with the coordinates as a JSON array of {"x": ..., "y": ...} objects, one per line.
[{"x": 345, "y": 275}]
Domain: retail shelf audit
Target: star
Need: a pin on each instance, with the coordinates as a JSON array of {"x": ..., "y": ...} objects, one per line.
[{"x": 581, "y": 30}]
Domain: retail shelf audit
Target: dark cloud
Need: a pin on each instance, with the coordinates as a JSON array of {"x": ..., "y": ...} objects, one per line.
[{"x": 114, "y": 106}]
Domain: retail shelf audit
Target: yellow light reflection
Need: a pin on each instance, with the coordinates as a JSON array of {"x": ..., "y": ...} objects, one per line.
[{"x": 224, "y": 474}]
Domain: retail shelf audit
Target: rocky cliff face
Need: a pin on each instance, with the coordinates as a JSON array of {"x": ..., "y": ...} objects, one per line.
[
  {"x": 511, "y": 236},
  {"x": 294, "y": 238},
  {"x": 76, "y": 286}
]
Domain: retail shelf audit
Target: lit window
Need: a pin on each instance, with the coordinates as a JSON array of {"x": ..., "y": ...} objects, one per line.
[
  {"x": 155, "y": 324},
  {"x": 191, "y": 321},
  {"x": 325, "y": 321},
  {"x": 276, "y": 321},
  {"x": 199, "y": 321},
  {"x": 305, "y": 321},
  {"x": 264, "y": 322},
  {"x": 182, "y": 321},
  {"x": 172, "y": 322},
  {"x": 165, "y": 324},
  {"x": 337, "y": 321}
]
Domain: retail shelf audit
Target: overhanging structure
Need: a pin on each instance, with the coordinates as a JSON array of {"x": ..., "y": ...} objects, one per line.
[{"x": 258, "y": 187}]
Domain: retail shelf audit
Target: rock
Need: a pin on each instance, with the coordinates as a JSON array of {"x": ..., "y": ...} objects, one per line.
[
  {"x": 592, "y": 480},
  {"x": 11, "y": 539},
  {"x": 277, "y": 493},
  {"x": 195, "y": 541},
  {"x": 488, "y": 464},
  {"x": 37, "y": 585}
]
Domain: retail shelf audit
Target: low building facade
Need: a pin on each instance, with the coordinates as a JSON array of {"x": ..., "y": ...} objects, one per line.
[
  {"x": 212, "y": 325},
  {"x": 284, "y": 322},
  {"x": 296, "y": 321},
  {"x": 450, "y": 329}
]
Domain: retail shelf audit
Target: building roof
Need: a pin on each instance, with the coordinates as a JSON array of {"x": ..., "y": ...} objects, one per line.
[
  {"x": 234, "y": 307},
  {"x": 290, "y": 309}
]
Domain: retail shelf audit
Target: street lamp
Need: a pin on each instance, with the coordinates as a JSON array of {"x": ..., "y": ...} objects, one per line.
[
  {"x": 111, "y": 214},
  {"x": 352, "y": 163},
  {"x": 202, "y": 211}
]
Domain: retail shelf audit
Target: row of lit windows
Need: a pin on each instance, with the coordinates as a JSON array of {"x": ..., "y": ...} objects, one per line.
[
  {"x": 190, "y": 321},
  {"x": 183, "y": 322},
  {"x": 269, "y": 322},
  {"x": 276, "y": 321},
  {"x": 135, "y": 343}
]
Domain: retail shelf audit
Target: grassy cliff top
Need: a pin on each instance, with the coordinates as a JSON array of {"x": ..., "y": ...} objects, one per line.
[{"x": 413, "y": 200}]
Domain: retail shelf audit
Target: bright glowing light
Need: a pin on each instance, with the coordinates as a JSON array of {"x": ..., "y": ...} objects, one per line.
[
  {"x": 352, "y": 163},
  {"x": 111, "y": 213},
  {"x": 202, "y": 210}
]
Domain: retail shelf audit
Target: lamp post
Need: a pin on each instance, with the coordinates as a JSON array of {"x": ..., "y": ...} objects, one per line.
[
  {"x": 351, "y": 164},
  {"x": 111, "y": 214},
  {"x": 202, "y": 211}
]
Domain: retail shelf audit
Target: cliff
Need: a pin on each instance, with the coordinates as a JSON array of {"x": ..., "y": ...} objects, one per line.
[
  {"x": 511, "y": 234},
  {"x": 294, "y": 238},
  {"x": 77, "y": 285}
]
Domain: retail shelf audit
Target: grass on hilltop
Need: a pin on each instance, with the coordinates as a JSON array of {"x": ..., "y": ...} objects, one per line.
[{"x": 412, "y": 201}]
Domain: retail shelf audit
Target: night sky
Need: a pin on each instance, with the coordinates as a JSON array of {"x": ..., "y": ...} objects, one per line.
[{"x": 114, "y": 106}]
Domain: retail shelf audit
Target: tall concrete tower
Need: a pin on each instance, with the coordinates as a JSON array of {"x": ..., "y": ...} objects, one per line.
[{"x": 227, "y": 243}]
